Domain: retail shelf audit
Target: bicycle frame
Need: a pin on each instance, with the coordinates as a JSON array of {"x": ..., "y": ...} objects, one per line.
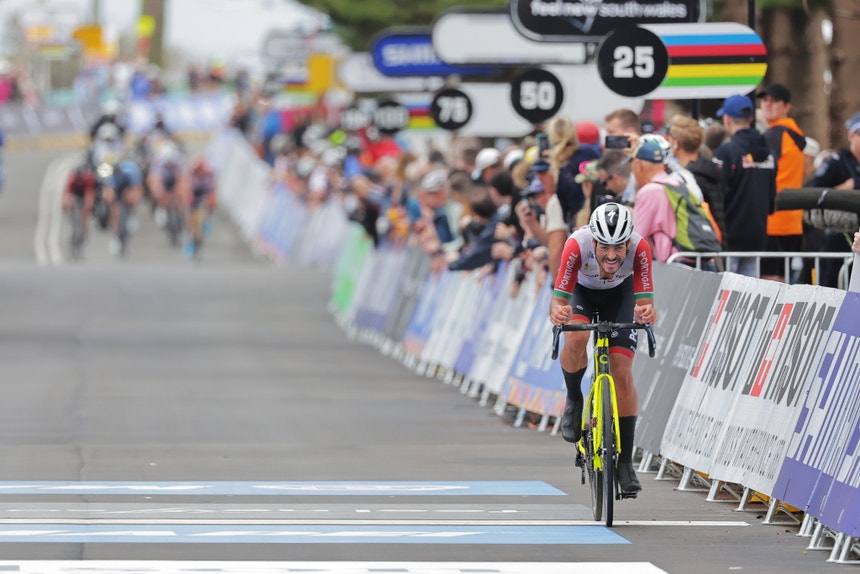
[{"x": 602, "y": 390}]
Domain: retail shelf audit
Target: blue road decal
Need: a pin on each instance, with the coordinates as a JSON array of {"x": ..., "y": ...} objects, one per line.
[
  {"x": 324, "y": 488},
  {"x": 276, "y": 534}
]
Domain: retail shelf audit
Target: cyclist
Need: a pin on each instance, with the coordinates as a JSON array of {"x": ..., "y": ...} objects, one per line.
[
  {"x": 124, "y": 189},
  {"x": 168, "y": 184},
  {"x": 80, "y": 193},
  {"x": 605, "y": 267},
  {"x": 202, "y": 203}
]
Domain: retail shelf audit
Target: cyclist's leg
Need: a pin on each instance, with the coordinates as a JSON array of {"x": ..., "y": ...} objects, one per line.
[
  {"x": 574, "y": 361},
  {"x": 622, "y": 347}
]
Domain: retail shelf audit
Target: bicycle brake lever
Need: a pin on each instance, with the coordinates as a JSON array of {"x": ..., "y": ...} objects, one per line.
[
  {"x": 652, "y": 341},
  {"x": 556, "y": 331}
]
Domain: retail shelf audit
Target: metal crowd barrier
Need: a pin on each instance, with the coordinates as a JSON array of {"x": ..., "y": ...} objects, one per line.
[{"x": 787, "y": 256}]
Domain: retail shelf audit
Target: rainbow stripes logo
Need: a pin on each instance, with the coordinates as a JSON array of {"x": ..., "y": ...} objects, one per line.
[{"x": 711, "y": 60}]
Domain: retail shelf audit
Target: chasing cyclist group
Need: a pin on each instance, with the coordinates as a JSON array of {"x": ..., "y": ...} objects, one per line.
[{"x": 117, "y": 174}]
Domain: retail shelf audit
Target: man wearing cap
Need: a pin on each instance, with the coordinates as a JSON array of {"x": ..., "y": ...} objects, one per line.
[
  {"x": 487, "y": 162},
  {"x": 654, "y": 217},
  {"x": 840, "y": 171},
  {"x": 433, "y": 216},
  {"x": 786, "y": 141},
  {"x": 749, "y": 183},
  {"x": 540, "y": 214}
]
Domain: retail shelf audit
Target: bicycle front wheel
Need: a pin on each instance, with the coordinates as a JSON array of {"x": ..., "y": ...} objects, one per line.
[
  {"x": 609, "y": 454},
  {"x": 595, "y": 477}
]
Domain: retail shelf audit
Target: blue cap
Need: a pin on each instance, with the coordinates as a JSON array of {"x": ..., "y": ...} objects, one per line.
[
  {"x": 534, "y": 187},
  {"x": 648, "y": 150},
  {"x": 853, "y": 123},
  {"x": 740, "y": 107},
  {"x": 540, "y": 166}
]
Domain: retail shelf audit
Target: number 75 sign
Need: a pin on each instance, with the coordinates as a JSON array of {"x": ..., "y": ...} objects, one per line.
[{"x": 682, "y": 61}]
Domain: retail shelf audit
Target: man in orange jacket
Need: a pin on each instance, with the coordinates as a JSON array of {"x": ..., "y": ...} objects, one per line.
[{"x": 786, "y": 141}]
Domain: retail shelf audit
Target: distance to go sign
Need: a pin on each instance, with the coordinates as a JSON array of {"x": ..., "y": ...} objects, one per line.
[
  {"x": 537, "y": 95},
  {"x": 632, "y": 61},
  {"x": 451, "y": 109}
]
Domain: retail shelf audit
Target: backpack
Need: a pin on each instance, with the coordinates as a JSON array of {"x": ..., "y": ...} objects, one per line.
[{"x": 695, "y": 229}]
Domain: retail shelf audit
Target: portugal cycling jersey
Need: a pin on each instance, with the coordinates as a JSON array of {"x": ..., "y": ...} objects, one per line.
[{"x": 579, "y": 265}]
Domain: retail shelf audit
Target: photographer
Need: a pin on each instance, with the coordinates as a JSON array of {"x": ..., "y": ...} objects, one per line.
[{"x": 540, "y": 215}]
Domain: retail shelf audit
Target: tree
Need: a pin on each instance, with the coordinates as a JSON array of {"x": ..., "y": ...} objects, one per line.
[{"x": 357, "y": 21}]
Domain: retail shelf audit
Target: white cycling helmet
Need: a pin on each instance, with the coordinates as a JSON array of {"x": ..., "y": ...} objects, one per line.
[{"x": 611, "y": 224}]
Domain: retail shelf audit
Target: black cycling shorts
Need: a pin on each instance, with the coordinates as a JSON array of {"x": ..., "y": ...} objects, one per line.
[{"x": 614, "y": 304}]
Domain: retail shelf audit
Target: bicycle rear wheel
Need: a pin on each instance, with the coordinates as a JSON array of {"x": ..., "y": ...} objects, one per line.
[
  {"x": 595, "y": 478},
  {"x": 609, "y": 454}
]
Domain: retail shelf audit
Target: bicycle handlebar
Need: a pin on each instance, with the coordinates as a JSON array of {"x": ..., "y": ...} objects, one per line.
[{"x": 603, "y": 326}]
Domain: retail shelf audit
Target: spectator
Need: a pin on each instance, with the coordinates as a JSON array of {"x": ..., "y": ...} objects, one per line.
[
  {"x": 588, "y": 134},
  {"x": 749, "y": 183},
  {"x": 613, "y": 169},
  {"x": 686, "y": 137},
  {"x": 627, "y": 123},
  {"x": 715, "y": 136},
  {"x": 487, "y": 162},
  {"x": 540, "y": 215},
  {"x": 654, "y": 218},
  {"x": 480, "y": 252},
  {"x": 566, "y": 155},
  {"x": 840, "y": 171},
  {"x": 430, "y": 206},
  {"x": 786, "y": 141}
]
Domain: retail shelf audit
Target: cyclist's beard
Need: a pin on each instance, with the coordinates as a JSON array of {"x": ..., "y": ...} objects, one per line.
[{"x": 610, "y": 264}]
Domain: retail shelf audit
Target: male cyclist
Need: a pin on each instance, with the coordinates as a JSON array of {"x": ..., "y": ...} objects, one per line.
[{"x": 605, "y": 267}]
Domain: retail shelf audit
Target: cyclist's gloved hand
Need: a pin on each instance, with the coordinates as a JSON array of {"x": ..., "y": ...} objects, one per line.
[
  {"x": 645, "y": 313},
  {"x": 560, "y": 314}
]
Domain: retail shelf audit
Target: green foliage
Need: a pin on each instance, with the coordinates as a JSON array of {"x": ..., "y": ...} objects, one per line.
[{"x": 356, "y": 21}]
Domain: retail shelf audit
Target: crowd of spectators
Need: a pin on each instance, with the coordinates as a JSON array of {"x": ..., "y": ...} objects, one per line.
[{"x": 478, "y": 204}]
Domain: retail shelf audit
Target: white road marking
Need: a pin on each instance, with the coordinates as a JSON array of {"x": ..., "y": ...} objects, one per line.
[
  {"x": 50, "y": 223},
  {"x": 376, "y": 522},
  {"x": 195, "y": 567}
]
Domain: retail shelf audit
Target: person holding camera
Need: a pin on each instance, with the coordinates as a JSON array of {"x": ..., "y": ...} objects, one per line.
[{"x": 540, "y": 215}]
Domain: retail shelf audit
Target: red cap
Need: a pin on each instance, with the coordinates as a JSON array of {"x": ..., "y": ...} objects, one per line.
[{"x": 587, "y": 132}]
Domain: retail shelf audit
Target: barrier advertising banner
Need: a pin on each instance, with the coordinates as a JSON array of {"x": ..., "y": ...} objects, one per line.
[
  {"x": 735, "y": 324},
  {"x": 512, "y": 325},
  {"x": 490, "y": 287},
  {"x": 761, "y": 421},
  {"x": 421, "y": 325},
  {"x": 380, "y": 298},
  {"x": 281, "y": 222},
  {"x": 535, "y": 381},
  {"x": 684, "y": 298},
  {"x": 821, "y": 472},
  {"x": 409, "y": 289},
  {"x": 348, "y": 267}
]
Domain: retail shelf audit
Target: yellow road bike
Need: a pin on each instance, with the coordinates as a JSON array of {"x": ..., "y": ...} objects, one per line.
[{"x": 600, "y": 445}]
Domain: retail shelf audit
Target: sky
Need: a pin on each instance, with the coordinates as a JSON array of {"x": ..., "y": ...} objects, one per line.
[{"x": 206, "y": 29}]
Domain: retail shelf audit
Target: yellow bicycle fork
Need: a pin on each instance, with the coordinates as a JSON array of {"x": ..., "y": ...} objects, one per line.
[{"x": 595, "y": 405}]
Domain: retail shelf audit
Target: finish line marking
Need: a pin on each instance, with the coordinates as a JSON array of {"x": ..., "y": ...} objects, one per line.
[
  {"x": 324, "y": 488},
  {"x": 318, "y": 534},
  {"x": 195, "y": 567},
  {"x": 378, "y": 522}
]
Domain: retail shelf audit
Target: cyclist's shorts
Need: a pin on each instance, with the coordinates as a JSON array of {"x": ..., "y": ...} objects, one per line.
[{"x": 614, "y": 304}]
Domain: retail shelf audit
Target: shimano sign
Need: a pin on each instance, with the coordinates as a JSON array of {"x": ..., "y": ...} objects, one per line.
[
  {"x": 402, "y": 53},
  {"x": 590, "y": 20}
]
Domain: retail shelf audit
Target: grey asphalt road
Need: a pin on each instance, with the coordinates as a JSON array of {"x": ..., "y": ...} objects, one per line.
[{"x": 155, "y": 372}]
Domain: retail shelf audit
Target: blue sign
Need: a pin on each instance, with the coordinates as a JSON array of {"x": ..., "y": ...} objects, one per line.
[{"x": 408, "y": 54}]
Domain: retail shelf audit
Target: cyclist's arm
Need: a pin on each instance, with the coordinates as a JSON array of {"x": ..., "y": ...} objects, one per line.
[
  {"x": 568, "y": 272},
  {"x": 643, "y": 283}
]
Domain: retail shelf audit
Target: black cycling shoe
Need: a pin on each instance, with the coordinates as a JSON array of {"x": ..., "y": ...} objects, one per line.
[
  {"x": 571, "y": 421},
  {"x": 627, "y": 478}
]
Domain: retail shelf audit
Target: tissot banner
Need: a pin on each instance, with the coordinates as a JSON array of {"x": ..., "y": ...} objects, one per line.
[
  {"x": 784, "y": 360},
  {"x": 590, "y": 20},
  {"x": 821, "y": 472},
  {"x": 721, "y": 364}
]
